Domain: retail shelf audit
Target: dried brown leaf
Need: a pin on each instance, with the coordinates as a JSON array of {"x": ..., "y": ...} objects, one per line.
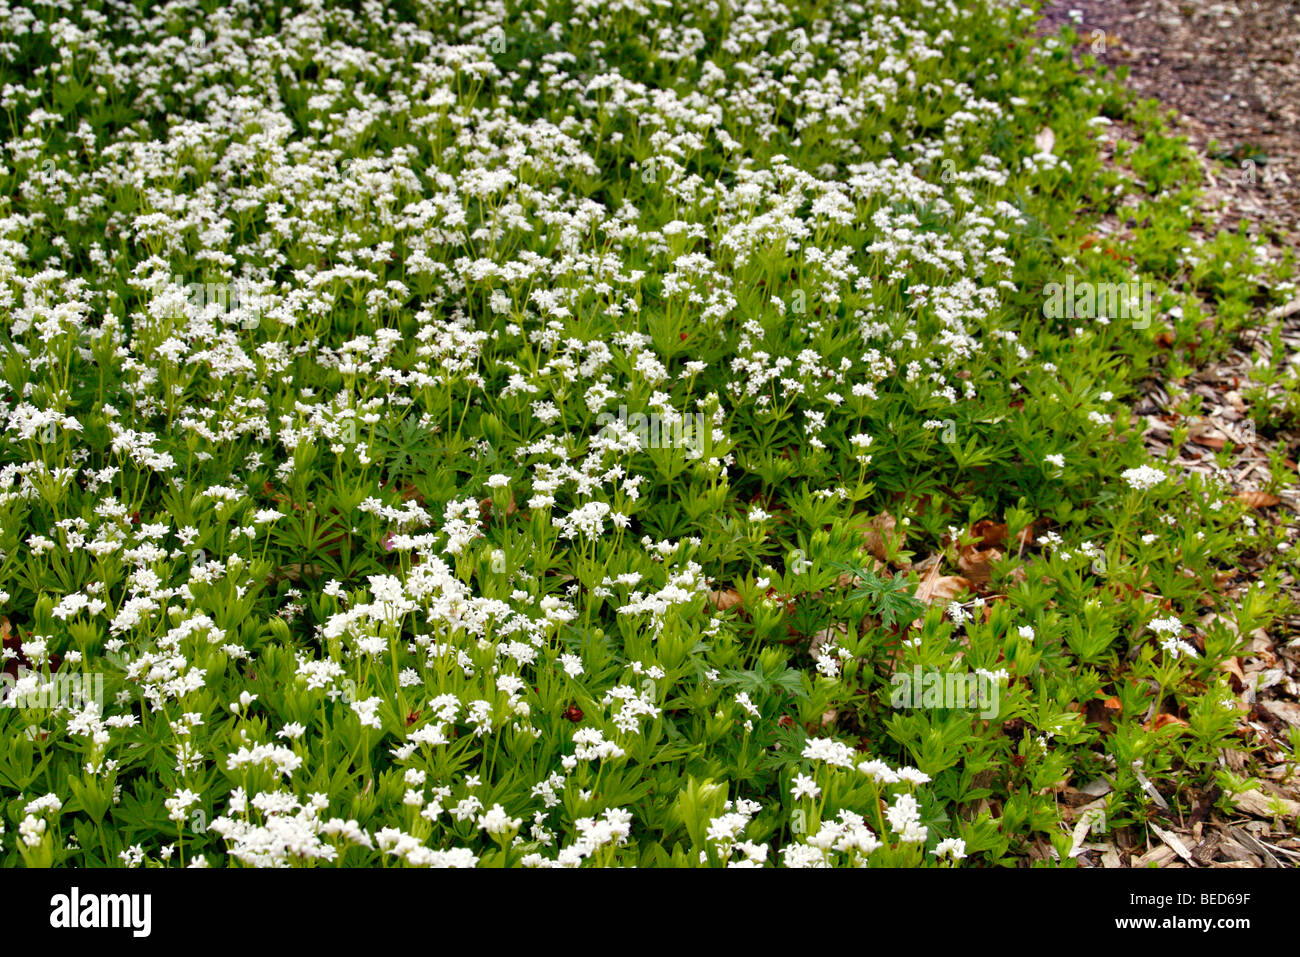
[
  {"x": 725, "y": 599},
  {"x": 879, "y": 530},
  {"x": 977, "y": 563},
  {"x": 1258, "y": 499},
  {"x": 942, "y": 588}
]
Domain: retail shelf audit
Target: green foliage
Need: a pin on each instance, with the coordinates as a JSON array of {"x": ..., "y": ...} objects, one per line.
[{"x": 513, "y": 435}]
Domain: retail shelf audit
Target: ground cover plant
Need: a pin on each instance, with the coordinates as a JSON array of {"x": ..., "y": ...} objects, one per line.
[{"x": 578, "y": 434}]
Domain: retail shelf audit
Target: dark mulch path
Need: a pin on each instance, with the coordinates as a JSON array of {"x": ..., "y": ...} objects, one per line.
[{"x": 1232, "y": 70}]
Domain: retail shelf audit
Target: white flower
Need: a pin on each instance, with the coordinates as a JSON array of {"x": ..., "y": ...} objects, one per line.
[
  {"x": 1143, "y": 477},
  {"x": 953, "y": 846},
  {"x": 178, "y": 805},
  {"x": 1171, "y": 628},
  {"x": 31, "y": 830},
  {"x": 368, "y": 712},
  {"x": 496, "y": 821},
  {"x": 1166, "y": 626},
  {"x": 831, "y": 752},
  {"x": 804, "y": 787}
]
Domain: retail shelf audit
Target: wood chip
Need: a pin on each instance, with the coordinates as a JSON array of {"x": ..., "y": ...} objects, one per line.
[
  {"x": 1261, "y": 803},
  {"x": 1174, "y": 842}
]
